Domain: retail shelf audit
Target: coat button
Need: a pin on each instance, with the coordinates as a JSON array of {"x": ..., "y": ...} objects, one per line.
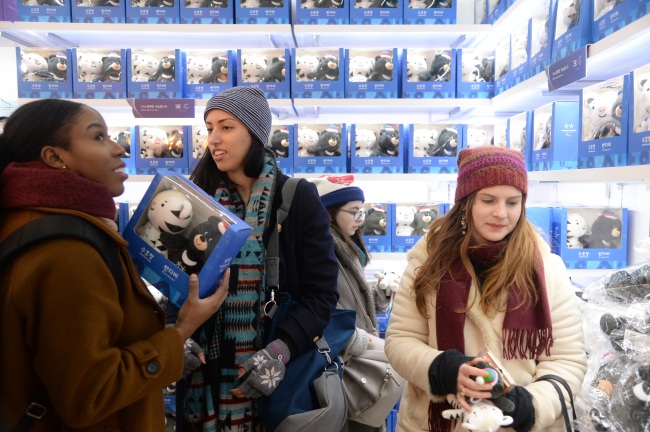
[{"x": 152, "y": 367}]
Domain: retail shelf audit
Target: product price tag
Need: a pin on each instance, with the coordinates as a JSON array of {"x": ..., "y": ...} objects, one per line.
[{"x": 567, "y": 70}]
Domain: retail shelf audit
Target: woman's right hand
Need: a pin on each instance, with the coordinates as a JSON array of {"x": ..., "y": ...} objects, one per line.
[{"x": 196, "y": 311}]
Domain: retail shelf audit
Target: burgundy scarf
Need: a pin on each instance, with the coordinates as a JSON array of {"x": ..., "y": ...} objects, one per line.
[
  {"x": 526, "y": 333},
  {"x": 36, "y": 184}
]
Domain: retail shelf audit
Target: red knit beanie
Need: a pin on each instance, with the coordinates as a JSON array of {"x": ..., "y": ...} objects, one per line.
[{"x": 483, "y": 167}]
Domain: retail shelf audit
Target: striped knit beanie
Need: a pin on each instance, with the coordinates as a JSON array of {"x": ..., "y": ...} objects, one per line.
[
  {"x": 248, "y": 105},
  {"x": 483, "y": 167}
]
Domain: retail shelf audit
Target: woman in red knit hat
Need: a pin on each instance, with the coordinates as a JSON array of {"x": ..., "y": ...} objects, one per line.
[{"x": 482, "y": 279}]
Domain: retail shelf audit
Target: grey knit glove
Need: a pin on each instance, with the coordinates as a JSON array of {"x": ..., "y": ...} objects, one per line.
[
  {"x": 265, "y": 369},
  {"x": 192, "y": 361}
]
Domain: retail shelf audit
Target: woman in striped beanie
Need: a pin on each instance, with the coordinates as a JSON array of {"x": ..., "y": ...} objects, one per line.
[{"x": 483, "y": 279}]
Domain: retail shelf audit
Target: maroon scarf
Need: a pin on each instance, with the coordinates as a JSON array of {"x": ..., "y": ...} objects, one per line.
[
  {"x": 526, "y": 333},
  {"x": 36, "y": 184}
]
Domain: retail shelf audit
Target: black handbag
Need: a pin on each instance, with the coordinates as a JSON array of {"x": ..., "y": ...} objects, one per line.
[{"x": 570, "y": 423}]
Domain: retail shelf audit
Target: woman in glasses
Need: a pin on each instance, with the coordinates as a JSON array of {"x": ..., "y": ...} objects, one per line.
[{"x": 343, "y": 202}]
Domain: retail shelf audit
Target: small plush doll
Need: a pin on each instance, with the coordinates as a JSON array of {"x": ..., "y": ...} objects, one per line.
[
  {"x": 576, "y": 227},
  {"x": 279, "y": 142},
  {"x": 375, "y": 222},
  {"x": 218, "y": 71},
  {"x": 440, "y": 69},
  {"x": 422, "y": 141},
  {"x": 202, "y": 240},
  {"x": 571, "y": 15},
  {"x": 447, "y": 143},
  {"x": 153, "y": 143},
  {"x": 111, "y": 68},
  {"x": 306, "y": 67},
  {"x": 169, "y": 213},
  {"x": 423, "y": 219},
  {"x": 329, "y": 143},
  {"x": 388, "y": 281},
  {"x": 642, "y": 97},
  {"x": 253, "y": 67},
  {"x": 360, "y": 68},
  {"x": 166, "y": 70},
  {"x": 199, "y": 142},
  {"x": 484, "y": 417},
  {"x": 30, "y": 63},
  {"x": 613, "y": 127},
  {"x": 89, "y": 66},
  {"x": 272, "y": 3},
  {"x": 416, "y": 65},
  {"x": 382, "y": 69},
  {"x": 476, "y": 137},
  {"x": 404, "y": 217},
  {"x": 175, "y": 144},
  {"x": 221, "y": 4},
  {"x": 198, "y": 68},
  {"x": 276, "y": 71},
  {"x": 123, "y": 138},
  {"x": 144, "y": 67},
  {"x": 57, "y": 68},
  {"x": 365, "y": 140},
  {"x": 307, "y": 138},
  {"x": 387, "y": 143},
  {"x": 605, "y": 232},
  {"x": 328, "y": 69},
  {"x": 599, "y": 112}
]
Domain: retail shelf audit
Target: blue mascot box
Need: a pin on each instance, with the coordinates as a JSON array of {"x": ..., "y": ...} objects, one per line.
[
  {"x": 500, "y": 133},
  {"x": 262, "y": 12},
  {"x": 372, "y": 74},
  {"x": 44, "y": 10},
  {"x": 411, "y": 221},
  {"x": 572, "y": 27},
  {"x": 520, "y": 135},
  {"x": 281, "y": 142},
  {"x": 123, "y": 135},
  {"x": 99, "y": 73},
  {"x": 495, "y": 8},
  {"x": 477, "y": 135},
  {"x": 198, "y": 141},
  {"x": 604, "y": 110},
  {"x": 154, "y": 73},
  {"x": 591, "y": 238},
  {"x": 502, "y": 72},
  {"x": 320, "y": 148},
  {"x": 611, "y": 16},
  {"x": 319, "y": 73},
  {"x": 207, "y": 72},
  {"x": 555, "y": 137},
  {"x": 375, "y": 228},
  {"x": 430, "y": 11},
  {"x": 542, "y": 220},
  {"x": 428, "y": 73},
  {"x": 541, "y": 35},
  {"x": 639, "y": 125},
  {"x": 207, "y": 12},
  {"x": 480, "y": 12},
  {"x": 474, "y": 73},
  {"x": 520, "y": 54},
  {"x": 377, "y": 148},
  {"x": 322, "y": 12},
  {"x": 102, "y": 11},
  {"x": 367, "y": 12},
  {"x": 268, "y": 69},
  {"x": 44, "y": 72},
  {"x": 153, "y": 11},
  {"x": 161, "y": 149},
  {"x": 168, "y": 243},
  {"x": 433, "y": 148}
]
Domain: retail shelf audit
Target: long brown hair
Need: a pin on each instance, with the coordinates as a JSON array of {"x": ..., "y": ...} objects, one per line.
[{"x": 446, "y": 244}]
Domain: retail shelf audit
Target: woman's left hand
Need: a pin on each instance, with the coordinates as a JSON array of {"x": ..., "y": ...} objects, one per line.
[{"x": 466, "y": 384}]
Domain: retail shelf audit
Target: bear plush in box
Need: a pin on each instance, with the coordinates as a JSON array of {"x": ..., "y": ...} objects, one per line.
[
  {"x": 280, "y": 142},
  {"x": 262, "y": 12},
  {"x": 428, "y": 73},
  {"x": 639, "y": 124},
  {"x": 320, "y": 148},
  {"x": 122, "y": 135},
  {"x": 367, "y": 12},
  {"x": 155, "y": 73},
  {"x": 478, "y": 135},
  {"x": 43, "y": 10},
  {"x": 161, "y": 149},
  {"x": 432, "y": 148},
  {"x": 541, "y": 35},
  {"x": 604, "y": 110},
  {"x": 197, "y": 142},
  {"x": 178, "y": 230},
  {"x": 99, "y": 11},
  {"x": 319, "y": 73},
  {"x": 520, "y": 40},
  {"x": 44, "y": 73},
  {"x": 207, "y": 12},
  {"x": 430, "y": 12},
  {"x": 379, "y": 148},
  {"x": 99, "y": 73},
  {"x": 474, "y": 73},
  {"x": 572, "y": 27},
  {"x": 268, "y": 69},
  {"x": 153, "y": 11},
  {"x": 371, "y": 73},
  {"x": 555, "y": 137},
  {"x": 411, "y": 221},
  {"x": 207, "y": 72},
  {"x": 589, "y": 238},
  {"x": 610, "y": 16},
  {"x": 520, "y": 135},
  {"x": 375, "y": 227},
  {"x": 323, "y": 12},
  {"x": 502, "y": 74}
]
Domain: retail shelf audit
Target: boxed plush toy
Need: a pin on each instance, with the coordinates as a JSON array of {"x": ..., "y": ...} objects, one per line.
[
  {"x": 199, "y": 136},
  {"x": 320, "y": 148},
  {"x": 207, "y": 12},
  {"x": 572, "y": 28},
  {"x": 99, "y": 11},
  {"x": 478, "y": 135},
  {"x": 542, "y": 220},
  {"x": 154, "y": 73},
  {"x": 97, "y": 73},
  {"x": 639, "y": 127},
  {"x": 474, "y": 73},
  {"x": 428, "y": 73},
  {"x": 268, "y": 69},
  {"x": 44, "y": 10},
  {"x": 501, "y": 133},
  {"x": 541, "y": 32},
  {"x": 520, "y": 135},
  {"x": 262, "y": 12},
  {"x": 122, "y": 135},
  {"x": 162, "y": 149},
  {"x": 411, "y": 221},
  {"x": 323, "y": 12},
  {"x": 178, "y": 230},
  {"x": 366, "y": 12},
  {"x": 319, "y": 73},
  {"x": 430, "y": 11},
  {"x": 280, "y": 142},
  {"x": 375, "y": 228},
  {"x": 44, "y": 73},
  {"x": 153, "y": 11},
  {"x": 610, "y": 16},
  {"x": 378, "y": 148},
  {"x": 495, "y": 8},
  {"x": 433, "y": 148},
  {"x": 502, "y": 75},
  {"x": 589, "y": 238},
  {"x": 555, "y": 137},
  {"x": 207, "y": 72},
  {"x": 519, "y": 59},
  {"x": 480, "y": 11},
  {"x": 604, "y": 123},
  {"x": 371, "y": 73}
]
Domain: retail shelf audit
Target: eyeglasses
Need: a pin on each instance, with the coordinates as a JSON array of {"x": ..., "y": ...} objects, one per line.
[{"x": 357, "y": 215}]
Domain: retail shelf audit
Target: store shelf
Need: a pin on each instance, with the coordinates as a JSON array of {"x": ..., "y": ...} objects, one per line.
[
  {"x": 623, "y": 174},
  {"x": 393, "y": 177}
]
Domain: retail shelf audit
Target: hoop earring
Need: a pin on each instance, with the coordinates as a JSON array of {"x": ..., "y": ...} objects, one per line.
[{"x": 463, "y": 224}]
